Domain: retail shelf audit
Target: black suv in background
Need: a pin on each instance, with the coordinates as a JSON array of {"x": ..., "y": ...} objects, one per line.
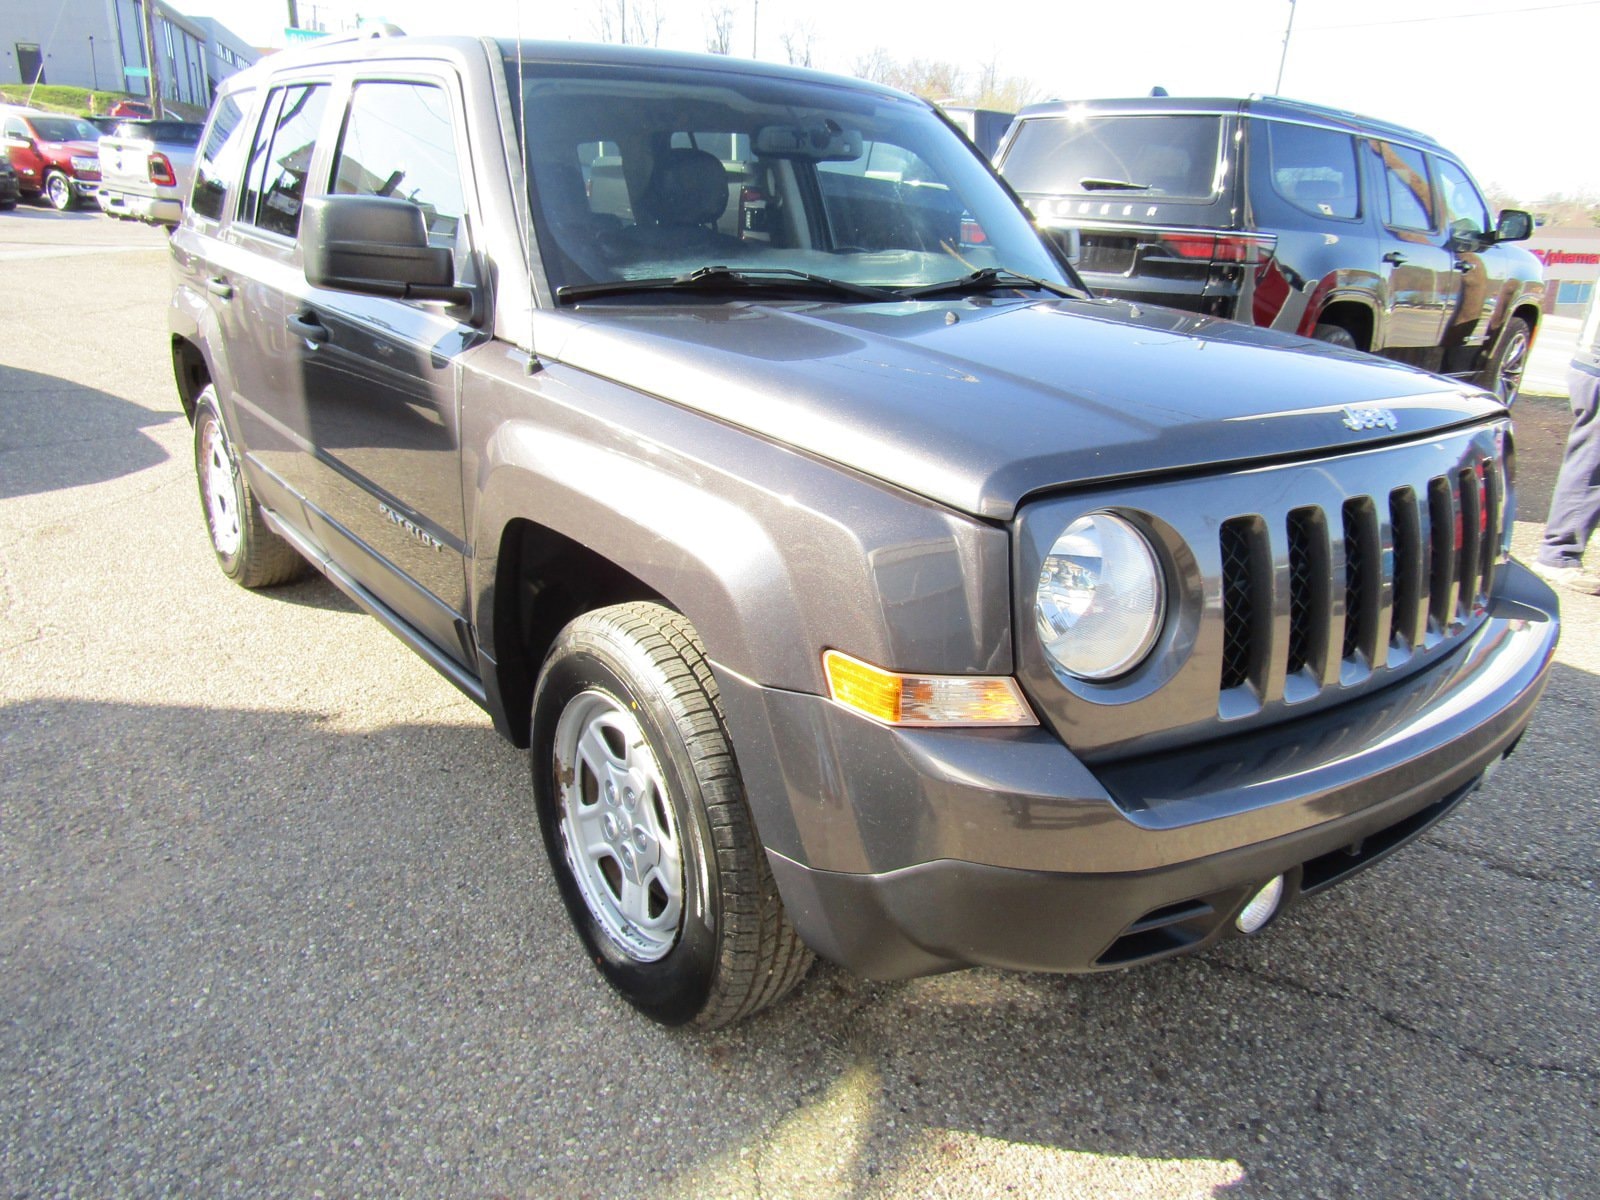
[{"x": 1289, "y": 216}]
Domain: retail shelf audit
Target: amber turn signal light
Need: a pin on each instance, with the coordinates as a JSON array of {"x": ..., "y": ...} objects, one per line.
[{"x": 922, "y": 700}]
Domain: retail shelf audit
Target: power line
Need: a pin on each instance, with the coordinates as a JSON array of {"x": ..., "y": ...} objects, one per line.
[{"x": 1492, "y": 12}]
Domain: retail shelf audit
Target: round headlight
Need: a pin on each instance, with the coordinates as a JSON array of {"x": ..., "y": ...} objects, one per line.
[{"x": 1100, "y": 600}]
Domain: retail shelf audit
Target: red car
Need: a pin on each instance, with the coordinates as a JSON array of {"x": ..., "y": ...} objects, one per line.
[
  {"x": 131, "y": 108},
  {"x": 54, "y": 156}
]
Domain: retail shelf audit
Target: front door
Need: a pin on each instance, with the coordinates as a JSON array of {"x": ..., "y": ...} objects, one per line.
[
  {"x": 1421, "y": 283},
  {"x": 30, "y": 63},
  {"x": 380, "y": 379}
]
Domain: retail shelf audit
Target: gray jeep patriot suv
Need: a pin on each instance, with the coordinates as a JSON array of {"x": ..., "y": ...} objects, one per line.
[{"x": 860, "y": 584}]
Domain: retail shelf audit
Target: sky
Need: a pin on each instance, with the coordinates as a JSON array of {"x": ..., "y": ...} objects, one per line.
[{"x": 1508, "y": 85}]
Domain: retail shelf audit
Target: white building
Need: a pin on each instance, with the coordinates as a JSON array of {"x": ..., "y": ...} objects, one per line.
[{"x": 101, "y": 44}]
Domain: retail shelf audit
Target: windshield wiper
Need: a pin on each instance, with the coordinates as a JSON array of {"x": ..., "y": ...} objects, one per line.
[
  {"x": 712, "y": 278},
  {"x": 993, "y": 277},
  {"x": 1112, "y": 185}
]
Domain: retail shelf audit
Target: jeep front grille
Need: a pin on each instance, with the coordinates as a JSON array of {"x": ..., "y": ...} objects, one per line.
[
  {"x": 1392, "y": 573},
  {"x": 1293, "y": 587}
]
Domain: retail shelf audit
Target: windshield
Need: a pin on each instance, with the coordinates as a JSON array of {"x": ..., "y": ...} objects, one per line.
[
  {"x": 1145, "y": 156},
  {"x": 64, "y": 129},
  {"x": 646, "y": 173}
]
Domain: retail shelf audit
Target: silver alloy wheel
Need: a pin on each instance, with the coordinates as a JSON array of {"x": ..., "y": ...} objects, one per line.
[
  {"x": 222, "y": 495},
  {"x": 1512, "y": 362},
  {"x": 618, "y": 830},
  {"x": 59, "y": 192}
]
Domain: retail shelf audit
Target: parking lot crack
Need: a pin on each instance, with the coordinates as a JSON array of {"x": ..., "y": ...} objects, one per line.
[
  {"x": 1501, "y": 1062},
  {"x": 1575, "y": 882}
]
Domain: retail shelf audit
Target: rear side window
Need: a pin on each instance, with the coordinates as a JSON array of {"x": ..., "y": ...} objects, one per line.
[
  {"x": 1409, "y": 194},
  {"x": 1164, "y": 157},
  {"x": 280, "y": 158},
  {"x": 221, "y": 155},
  {"x": 398, "y": 141},
  {"x": 1313, "y": 169}
]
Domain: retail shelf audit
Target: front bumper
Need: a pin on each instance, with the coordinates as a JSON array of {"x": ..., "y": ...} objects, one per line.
[{"x": 904, "y": 852}]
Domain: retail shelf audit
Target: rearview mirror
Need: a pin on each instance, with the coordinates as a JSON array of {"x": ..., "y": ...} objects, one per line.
[
  {"x": 823, "y": 141},
  {"x": 378, "y": 246},
  {"x": 1514, "y": 226}
]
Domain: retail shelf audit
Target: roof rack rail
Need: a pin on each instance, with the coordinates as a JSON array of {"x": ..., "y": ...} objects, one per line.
[{"x": 373, "y": 29}]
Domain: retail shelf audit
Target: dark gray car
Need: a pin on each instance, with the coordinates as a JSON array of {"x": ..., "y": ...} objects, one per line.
[{"x": 860, "y": 584}]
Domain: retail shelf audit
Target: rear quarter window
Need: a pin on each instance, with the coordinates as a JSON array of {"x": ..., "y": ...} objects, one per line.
[
  {"x": 221, "y": 155},
  {"x": 1156, "y": 156},
  {"x": 1313, "y": 169}
]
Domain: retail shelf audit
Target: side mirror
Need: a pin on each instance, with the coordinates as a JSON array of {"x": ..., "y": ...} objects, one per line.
[
  {"x": 1514, "y": 226},
  {"x": 17, "y": 141},
  {"x": 377, "y": 246}
]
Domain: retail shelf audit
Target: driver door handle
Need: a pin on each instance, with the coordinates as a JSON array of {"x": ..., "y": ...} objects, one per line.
[
  {"x": 307, "y": 326},
  {"x": 218, "y": 286},
  {"x": 1394, "y": 258}
]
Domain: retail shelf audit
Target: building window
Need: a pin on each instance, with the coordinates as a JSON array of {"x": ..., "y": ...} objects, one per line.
[{"x": 1573, "y": 291}]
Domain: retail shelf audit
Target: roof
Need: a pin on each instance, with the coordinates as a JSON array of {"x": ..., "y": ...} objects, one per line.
[
  {"x": 1262, "y": 106},
  {"x": 375, "y": 44}
]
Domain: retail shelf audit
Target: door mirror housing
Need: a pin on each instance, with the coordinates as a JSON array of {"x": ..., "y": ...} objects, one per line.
[
  {"x": 1514, "y": 225},
  {"x": 377, "y": 246}
]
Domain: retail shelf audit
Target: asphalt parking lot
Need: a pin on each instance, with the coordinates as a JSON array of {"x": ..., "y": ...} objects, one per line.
[{"x": 274, "y": 918}]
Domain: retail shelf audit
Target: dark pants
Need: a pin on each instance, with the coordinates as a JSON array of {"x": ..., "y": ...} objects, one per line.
[{"x": 1575, "y": 506}]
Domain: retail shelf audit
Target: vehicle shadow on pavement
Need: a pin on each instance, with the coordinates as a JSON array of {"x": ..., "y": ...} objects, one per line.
[
  {"x": 43, "y": 444},
  {"x": 242, "y": 946}
]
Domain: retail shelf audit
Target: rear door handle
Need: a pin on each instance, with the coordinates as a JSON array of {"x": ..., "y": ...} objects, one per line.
[
  {"x": 1394, "y": 258},
  {"x": 307, "y": 326},
  {"x": 218, "y": 286}
]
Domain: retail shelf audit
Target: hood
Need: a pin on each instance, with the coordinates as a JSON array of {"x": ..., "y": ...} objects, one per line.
[
  {"x": 977, "y": 403},
  {"x": 81, "y": 149}
]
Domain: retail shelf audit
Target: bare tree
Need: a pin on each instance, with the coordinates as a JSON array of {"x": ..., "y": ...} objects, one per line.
[
  {"x": 631, "y": 22},
  {"x": 797, "y": 44},
  {"x": 720, "y": 39},
  {"x": 876, "y": 67}
]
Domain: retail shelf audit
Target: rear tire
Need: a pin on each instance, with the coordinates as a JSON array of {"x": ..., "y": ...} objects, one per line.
[
  {"x": 1336, "y": 335},
  {"x": 1503, "y": 376},
  {"x": 646, "y": 824},
  {"x": 247, "y": 550}
]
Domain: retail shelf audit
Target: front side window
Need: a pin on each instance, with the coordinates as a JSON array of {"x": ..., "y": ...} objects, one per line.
[
  {"x": 642, "y": 174},
  {"x": 1313, "y": 169},
  {"x": 1139, "y": 157},
  {"x": 398, "y": 141},
  {"x": 1410, "y": 196},
  {"x": 1465, "y": 213},
  {"x": 280, "y": 159},
  {"x": 221, "y": 155}
]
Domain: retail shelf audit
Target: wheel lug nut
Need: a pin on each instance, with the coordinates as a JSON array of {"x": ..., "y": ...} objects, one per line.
[
  {"x": 641, "y": 839},
  {"x": 611, "y": 793},
  {"x": 630, "y": 797}
]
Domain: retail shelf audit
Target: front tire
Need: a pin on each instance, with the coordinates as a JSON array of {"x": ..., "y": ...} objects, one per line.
[
  {"x": 248, "y": 552},
  {"x": 58, "y": 191},
  {"x": 646, "y": 824}
]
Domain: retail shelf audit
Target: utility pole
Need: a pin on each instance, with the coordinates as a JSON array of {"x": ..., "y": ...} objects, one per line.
[
  {"x": 147, "y": 18},
  {"x": 94, "y": 67},
  {"x": 294, "y": 15},
  {"x": 755, "y": 27},
  {"x": 1277, "y": 89}
]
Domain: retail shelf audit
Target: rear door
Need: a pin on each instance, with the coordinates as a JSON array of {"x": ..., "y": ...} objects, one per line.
[
  {"x": 379, "y": 377},
  {"x": 1422, "y": 285},
  {"x": 256, "y": 268}
]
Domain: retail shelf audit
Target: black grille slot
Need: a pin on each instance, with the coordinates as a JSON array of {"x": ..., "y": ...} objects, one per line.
[
  {"x": 1361, "y": 567},
  {"x": 1239, "y": 600},
  {"x": 1494, "y": 505},
  {"x": 1442, "y": 536},
  {"x": 1470, "y": 514},
  {"x": 1410, "y": 560},
  {"x": 1308, "y": 600}
]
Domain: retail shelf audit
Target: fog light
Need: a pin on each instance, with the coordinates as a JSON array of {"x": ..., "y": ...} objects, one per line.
[{"x": 1261, "y": 907}]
